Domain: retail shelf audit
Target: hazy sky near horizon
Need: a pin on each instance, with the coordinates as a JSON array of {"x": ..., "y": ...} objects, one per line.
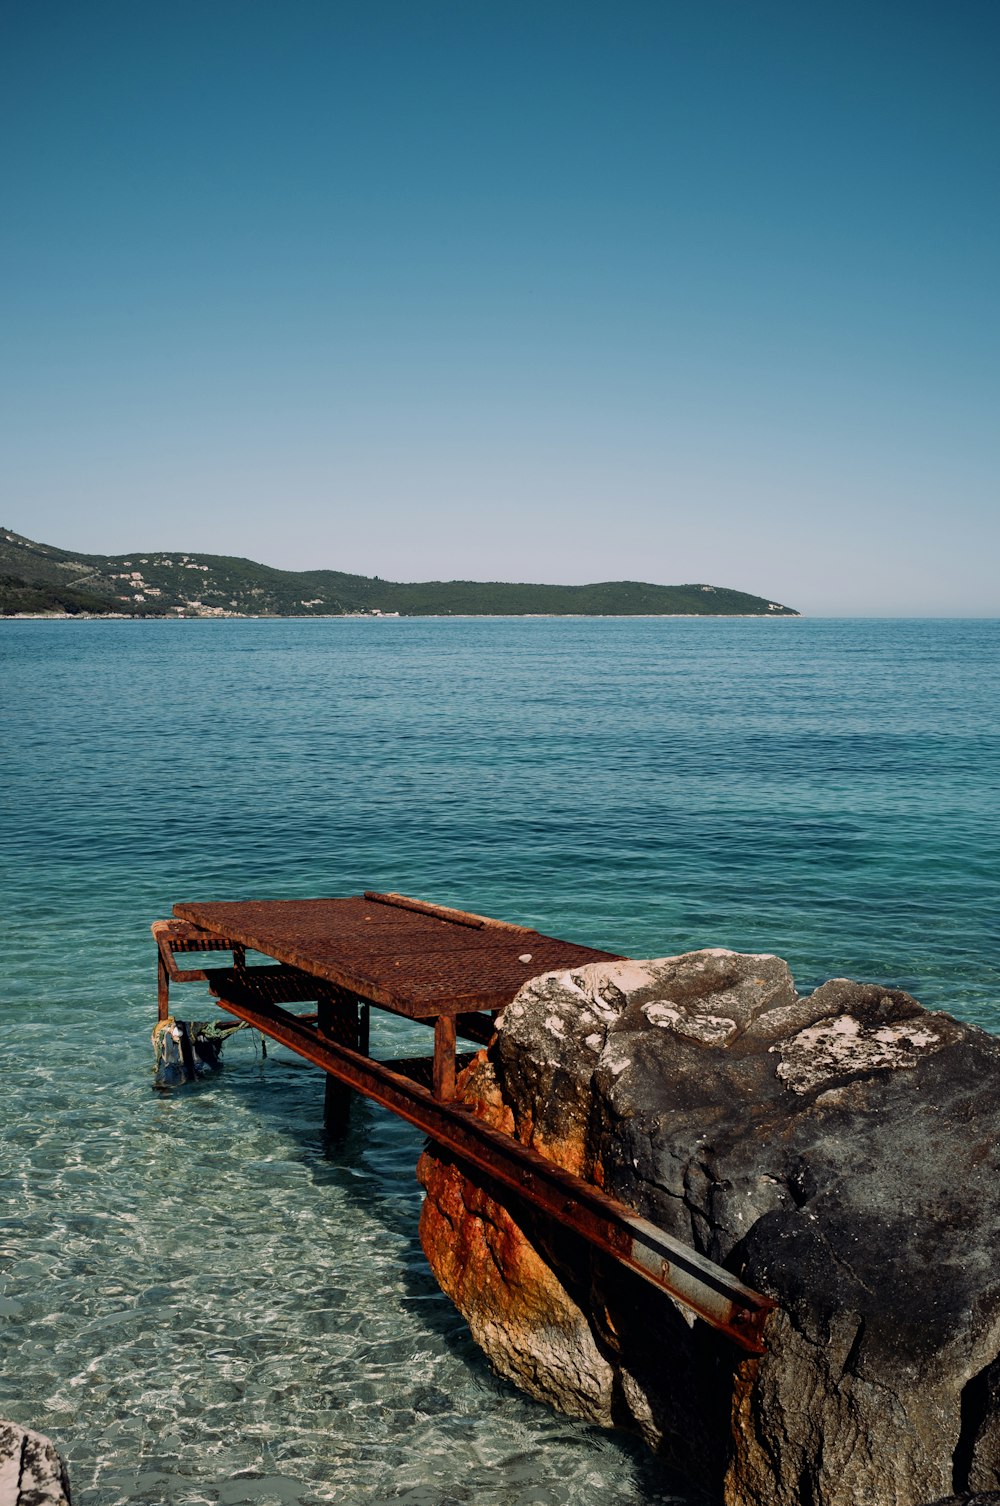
[{"x": 534, "y": 291}]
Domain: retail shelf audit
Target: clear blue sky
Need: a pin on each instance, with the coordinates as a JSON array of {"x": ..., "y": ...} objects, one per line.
[{"x": 700, "y": 291}]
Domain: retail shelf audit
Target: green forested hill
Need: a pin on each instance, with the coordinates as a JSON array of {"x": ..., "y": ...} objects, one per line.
[{"x": 163, "y": 583}]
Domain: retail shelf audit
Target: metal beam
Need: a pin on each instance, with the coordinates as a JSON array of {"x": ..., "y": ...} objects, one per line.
[{"x": 708, "y": 1290}]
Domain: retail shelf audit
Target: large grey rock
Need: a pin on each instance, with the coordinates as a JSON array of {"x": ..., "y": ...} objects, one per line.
[
  {"x": 32, "y": 1473},
  {"x": 839, "y": 1152}
]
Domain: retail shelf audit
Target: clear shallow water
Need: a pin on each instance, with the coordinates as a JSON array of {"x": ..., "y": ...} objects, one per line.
[{"x": 205, "y": 1303}]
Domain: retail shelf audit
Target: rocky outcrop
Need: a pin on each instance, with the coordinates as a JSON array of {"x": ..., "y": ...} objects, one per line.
[
  {"x": 838, "y": 1152},
  {"x": 32, "y": 1473}
]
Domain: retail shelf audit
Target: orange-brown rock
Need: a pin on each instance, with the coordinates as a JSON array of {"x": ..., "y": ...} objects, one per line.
[{"x": 519, "y": 1312}]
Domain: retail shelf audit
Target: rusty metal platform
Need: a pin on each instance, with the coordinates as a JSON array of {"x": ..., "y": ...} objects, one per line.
[
  {"x": 412, "y": 958},
  {"x": 453, "y": 970}
]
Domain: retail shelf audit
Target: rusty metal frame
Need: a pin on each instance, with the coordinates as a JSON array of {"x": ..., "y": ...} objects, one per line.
[
  {"x": 703, "y": 1287},
  {"x": 335, "y": 1039},
  {"x": 443, "y": 912},
  {"x": 174, "y": 936}
]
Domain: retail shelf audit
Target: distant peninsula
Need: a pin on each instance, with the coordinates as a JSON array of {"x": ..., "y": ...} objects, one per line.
[{"x": 42, "y": 580}]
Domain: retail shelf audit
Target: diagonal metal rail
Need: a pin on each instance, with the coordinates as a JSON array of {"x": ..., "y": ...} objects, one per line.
[{"x": 708, "y": 1290}]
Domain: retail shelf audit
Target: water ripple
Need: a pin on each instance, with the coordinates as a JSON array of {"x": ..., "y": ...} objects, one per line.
[{"x": 205, "y": 1302}]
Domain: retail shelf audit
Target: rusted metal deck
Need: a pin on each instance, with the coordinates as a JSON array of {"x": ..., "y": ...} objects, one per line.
[{"x": 454, "y": 971}]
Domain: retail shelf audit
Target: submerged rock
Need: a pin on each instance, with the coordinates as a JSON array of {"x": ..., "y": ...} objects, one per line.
[
  {"x": 838, "y": 1152},
  {"x": 32, "y": 1471}
]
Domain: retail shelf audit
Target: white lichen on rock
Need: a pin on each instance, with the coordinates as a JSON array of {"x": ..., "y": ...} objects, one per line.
[
  {"x": 833, "y": 1049},
  {"x": 713, "y": 1029}
]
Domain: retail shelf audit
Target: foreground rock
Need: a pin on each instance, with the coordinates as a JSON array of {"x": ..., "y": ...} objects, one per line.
[
  {"x": 32, "y": 1473},
  {"x": 838, "y": 1152}
]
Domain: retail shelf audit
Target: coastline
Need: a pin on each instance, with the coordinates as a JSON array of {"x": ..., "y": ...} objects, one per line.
[{"x": 413, "y": 617}]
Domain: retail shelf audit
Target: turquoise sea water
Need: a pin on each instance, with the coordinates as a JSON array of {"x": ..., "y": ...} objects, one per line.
[{"x": 203, "y": 1302}]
